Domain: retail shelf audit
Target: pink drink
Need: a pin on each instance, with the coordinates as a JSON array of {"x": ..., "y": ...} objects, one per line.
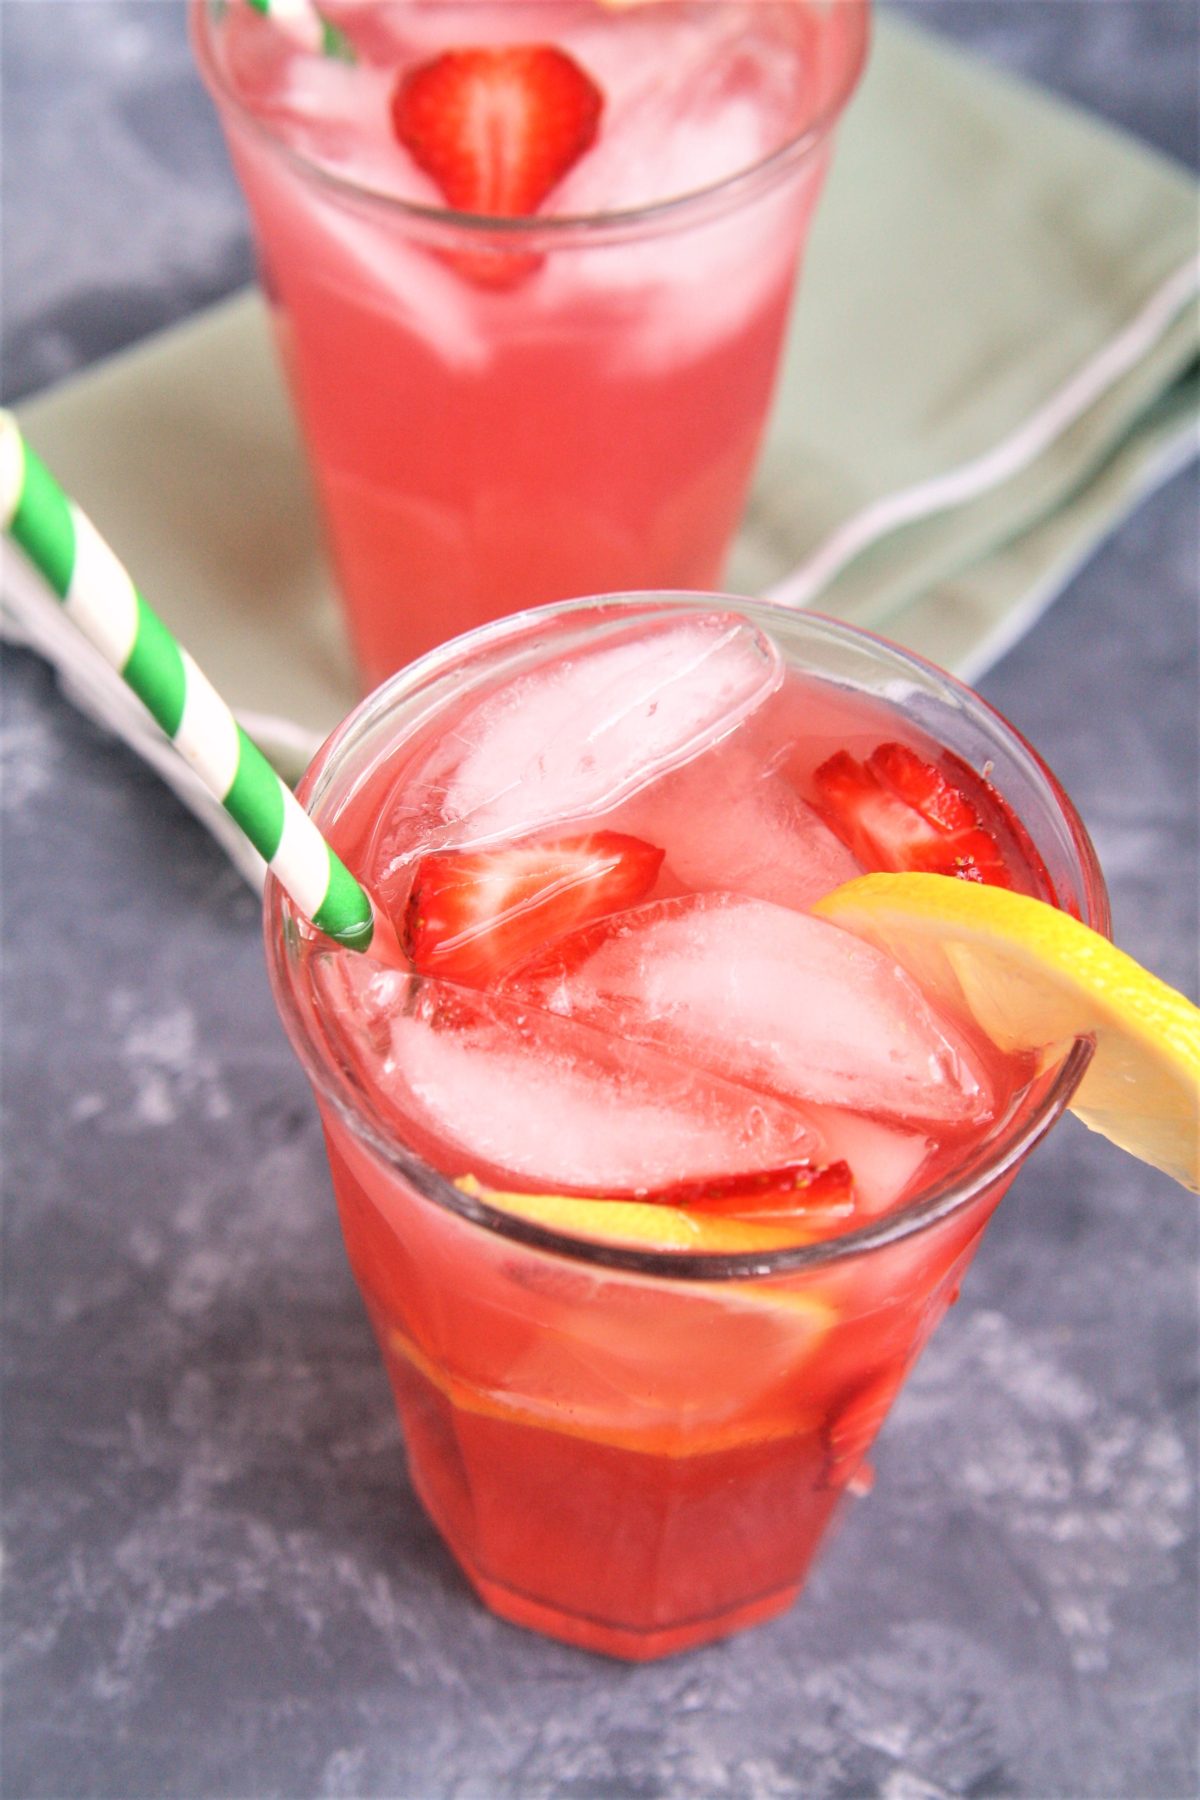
[
  {"x": 484, "y": 442},
  {"x": 655, "y": 1190}
]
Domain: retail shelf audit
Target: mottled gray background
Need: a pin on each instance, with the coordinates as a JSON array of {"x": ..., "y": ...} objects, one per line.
[{"x": 217, "y": 1579}]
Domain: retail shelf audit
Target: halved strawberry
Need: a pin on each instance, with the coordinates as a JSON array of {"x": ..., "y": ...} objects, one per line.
[
  {"x": 820, "y": 1193},
  {"x": 497, "y": 128},
  {"x": 898, "y": 811},
  {"x": 474, "y": 914}
]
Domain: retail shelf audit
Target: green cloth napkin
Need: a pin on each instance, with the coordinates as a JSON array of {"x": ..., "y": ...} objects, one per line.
[{"x": 993, "y": 356}]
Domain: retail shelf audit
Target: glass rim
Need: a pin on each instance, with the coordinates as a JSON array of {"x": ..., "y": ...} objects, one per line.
[
  {"x": 1005, "y": 1150},
  {"x": 729, "y": 191}
]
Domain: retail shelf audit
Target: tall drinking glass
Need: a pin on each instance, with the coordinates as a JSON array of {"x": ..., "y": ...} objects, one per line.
[
  {"x": 505, "y": 412},
  {"x": 634, "y": 1447}
]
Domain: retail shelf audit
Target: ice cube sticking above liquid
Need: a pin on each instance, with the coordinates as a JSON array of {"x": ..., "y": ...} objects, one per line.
[
  {"x": 573, "y": 738},
  {"x": 775, "y": 999},
  {"x": 533, "y": 1097}
]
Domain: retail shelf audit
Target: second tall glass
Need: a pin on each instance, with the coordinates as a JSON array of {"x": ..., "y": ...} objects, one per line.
[{"x": 506, "y": 412}]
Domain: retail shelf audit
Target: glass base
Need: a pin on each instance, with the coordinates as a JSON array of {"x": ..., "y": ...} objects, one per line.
[
  {"x": 605, "y": 1637},
  {"x": 628, "y": 1643}
]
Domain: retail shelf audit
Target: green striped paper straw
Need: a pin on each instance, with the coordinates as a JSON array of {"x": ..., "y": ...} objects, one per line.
[
  {"x": 306, "y": 26},
  {"x": 98, "y": 596}
]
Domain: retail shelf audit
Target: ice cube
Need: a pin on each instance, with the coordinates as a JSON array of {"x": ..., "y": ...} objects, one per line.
[
  {"x": 779, "y": 1000},
  {"x": 389, "y": 273},
  {"x": 355, "y": 999},
  {"x": 407, "y": 284},
  {"x": 576, "y": 735},
  {"x": 725, "y": 824},
  {"x": 885, "y": 1159},
  {"x": 694, "y": 95},
  {"x": 495, "y": 1088}
]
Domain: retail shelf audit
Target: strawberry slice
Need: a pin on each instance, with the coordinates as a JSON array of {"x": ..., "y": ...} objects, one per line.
[
  {"x": 473, "y": 914},
  {"x": 823, "y": 1194},
  {"x": 497, "y": 128},
  {"x": 923, "y": 785},
  {"x": 897, "y": 811}
]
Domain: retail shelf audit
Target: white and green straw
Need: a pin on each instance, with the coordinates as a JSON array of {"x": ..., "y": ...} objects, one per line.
[
  {"x": 306, "y": 26},
  {"x": 98, "y": 596}
]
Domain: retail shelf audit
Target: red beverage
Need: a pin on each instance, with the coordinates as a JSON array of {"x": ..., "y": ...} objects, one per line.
[
  {"x": 570, "y": 402},
  {"x": 655, "y": 1184}
]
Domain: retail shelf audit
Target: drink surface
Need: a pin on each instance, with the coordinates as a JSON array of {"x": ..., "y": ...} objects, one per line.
[
  {"x": 603, "y": 868},
  {"x": 694, "y": 91}
]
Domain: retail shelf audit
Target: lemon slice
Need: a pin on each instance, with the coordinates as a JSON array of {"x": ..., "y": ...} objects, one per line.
[
  {"x": 1035, "y": 979},
  {"x": 649, "y": 1226},
  {"x": 642, "y": 1224}
]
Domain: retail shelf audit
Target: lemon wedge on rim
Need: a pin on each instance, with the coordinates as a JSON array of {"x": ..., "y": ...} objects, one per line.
[{"x": 1035, "y": 979}]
